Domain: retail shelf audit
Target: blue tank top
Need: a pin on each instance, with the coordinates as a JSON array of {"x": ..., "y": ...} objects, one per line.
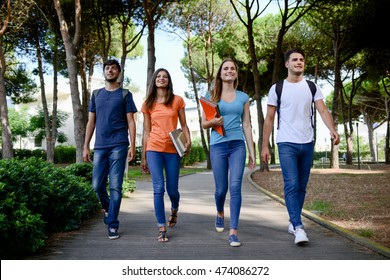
[{"x": 232, "y": 114}]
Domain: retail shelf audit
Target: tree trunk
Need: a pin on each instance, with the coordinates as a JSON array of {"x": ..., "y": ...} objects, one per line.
[
  {"x": 334, "y": 157},
  {"x": 370, "y": 131},
  {"x": 151, "y": 55},
  {"x": 387, "y": 147},
  {"x": 6, "y": 135},
  {"x": 256, "y": 79},
  {"x": 70, "y": 48},
  {"x": 52, "y": 143},
  {"x": 48, "y": 132},
  {"x": 205, "y": 144}
]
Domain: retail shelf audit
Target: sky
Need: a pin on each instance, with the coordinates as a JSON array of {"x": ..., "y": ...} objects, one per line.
[{"x": 169, "y": 52}]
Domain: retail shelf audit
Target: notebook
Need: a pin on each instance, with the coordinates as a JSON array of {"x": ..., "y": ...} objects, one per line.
[
  {"x": 179, "y": 140},
  {"x": 211, "y": 110}
]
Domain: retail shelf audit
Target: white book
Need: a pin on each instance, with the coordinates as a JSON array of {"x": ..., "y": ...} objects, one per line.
[{"x": 179, "y": 140}]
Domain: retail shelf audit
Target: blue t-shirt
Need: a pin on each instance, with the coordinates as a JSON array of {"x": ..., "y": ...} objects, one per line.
[
  {"x": 111, "y": 123},
  {"x": 232, "y": 115}
]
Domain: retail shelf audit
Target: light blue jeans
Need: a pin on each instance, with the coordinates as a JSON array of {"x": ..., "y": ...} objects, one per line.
[
  {"x": 157, "y": 162},
  {"x": 109, "y": 163},
  {"x": 295, "y": 161},
  {"x": 228, "y": 163}
]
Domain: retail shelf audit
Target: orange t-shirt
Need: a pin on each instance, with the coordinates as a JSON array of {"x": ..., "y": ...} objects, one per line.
[{"x": 163, "y": 120}]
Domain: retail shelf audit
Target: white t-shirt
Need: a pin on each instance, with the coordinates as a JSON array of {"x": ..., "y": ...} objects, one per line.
[{"x": 295, "y": 112}]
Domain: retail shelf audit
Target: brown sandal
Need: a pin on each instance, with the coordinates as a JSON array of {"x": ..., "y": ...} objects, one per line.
[
  {"x": 162, "y": 235},
  {"x": 173, "y": 218}
]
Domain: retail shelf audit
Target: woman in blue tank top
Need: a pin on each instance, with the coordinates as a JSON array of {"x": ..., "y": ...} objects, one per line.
[{"x": 228, "y": 152}]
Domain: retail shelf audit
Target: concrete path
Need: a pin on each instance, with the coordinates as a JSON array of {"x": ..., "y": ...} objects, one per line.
[{"x": 262, "y": 230}]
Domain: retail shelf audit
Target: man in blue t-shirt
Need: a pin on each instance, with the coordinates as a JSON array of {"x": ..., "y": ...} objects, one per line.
[{"x": 111, "y": 114}]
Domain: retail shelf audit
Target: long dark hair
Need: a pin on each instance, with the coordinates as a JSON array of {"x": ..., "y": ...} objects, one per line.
[
  {"x": 152, "y": 90},
  {"x": 217, "y": 90}
]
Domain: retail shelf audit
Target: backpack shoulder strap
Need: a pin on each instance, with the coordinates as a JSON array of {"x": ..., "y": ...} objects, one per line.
[
  {"x": 125, "y": 92},
  {"x": 312, "y": 87},
  {"x": 313, "y": 90},
  {"x": 95, "y": 92},
  {"x": 278, "y": 90}
]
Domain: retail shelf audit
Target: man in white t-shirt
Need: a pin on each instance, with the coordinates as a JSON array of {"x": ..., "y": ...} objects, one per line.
[{"x": 295, "y": 136}]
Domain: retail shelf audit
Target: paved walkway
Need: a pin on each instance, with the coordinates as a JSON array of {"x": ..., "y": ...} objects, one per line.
[{"x": 262, "y": 230}]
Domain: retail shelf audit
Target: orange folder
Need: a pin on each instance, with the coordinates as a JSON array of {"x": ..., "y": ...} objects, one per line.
[{"x": 211, "y": 110}]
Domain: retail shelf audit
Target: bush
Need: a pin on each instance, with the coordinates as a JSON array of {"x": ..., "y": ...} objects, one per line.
[
  {"x": 83, "y": 170},
  {"x": 24, "y": 153},
  {"x": 37, "y": 199},
  {"x": 65, "y": 154},
  {"x": 138, "y": 154},
  {"x": 128, "y": 185},
  {"x": 196, "y": 154},
  {"x": 21, "y": 231}
]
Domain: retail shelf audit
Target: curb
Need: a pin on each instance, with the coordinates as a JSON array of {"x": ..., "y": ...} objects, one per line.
[{"x": 342, "y": 231}]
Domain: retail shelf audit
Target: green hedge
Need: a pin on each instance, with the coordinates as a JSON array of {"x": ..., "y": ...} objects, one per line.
[
  {"x": 67, "y": 154},
  {"x": 196, "y": 154},
  {"x": 37, "y": 199}
]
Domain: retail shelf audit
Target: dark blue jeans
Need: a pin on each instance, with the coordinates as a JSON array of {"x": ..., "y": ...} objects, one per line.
[
  {"x": 295, "y": 161},
  {"x": 109, "y": 163},
  {"x": 228, "y": 159},
  {"x": 157, "y": 162}
]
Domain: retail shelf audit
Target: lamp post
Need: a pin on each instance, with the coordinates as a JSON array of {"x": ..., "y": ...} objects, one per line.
[{"x": 357, "y": 135}]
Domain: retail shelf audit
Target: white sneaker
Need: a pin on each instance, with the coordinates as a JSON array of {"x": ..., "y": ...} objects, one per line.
[
  {"x": 291, "y": 229},
  {"x": 300, "y": 236}
]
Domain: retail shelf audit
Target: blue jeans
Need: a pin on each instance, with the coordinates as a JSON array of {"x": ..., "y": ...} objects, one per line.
[
  {"x": 109, "y": 163},
  {"x": 295, "y": 161},
  {"x": 157, "y": 162},
  {"x": 228, "y": 159}
]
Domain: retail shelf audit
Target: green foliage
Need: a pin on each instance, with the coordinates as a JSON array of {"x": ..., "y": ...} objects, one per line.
[
  {"x": 37, "y": 125},
  {"x": 116, "y": 48},
  {"x": 128, "y": 185},
  {"x": 319, "y": 205},
  {"x": 20, "y": 86},
  {"x": 21, "y": 231},
  {"x": 24, "y": 153},
  {"x": 83, "y": 170},
  {"x": 138, "y": 154},
  {"x": 366, "y": 232},
  {"x": 65, "y": 154},
  {"x": 196, "y": 154},
  {"x": 19, "y": 122},
  {"x": 37, "y": 199}
]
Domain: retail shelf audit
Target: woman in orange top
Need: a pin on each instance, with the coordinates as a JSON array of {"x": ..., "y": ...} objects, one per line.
[{"x": 162, "y": 110}]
